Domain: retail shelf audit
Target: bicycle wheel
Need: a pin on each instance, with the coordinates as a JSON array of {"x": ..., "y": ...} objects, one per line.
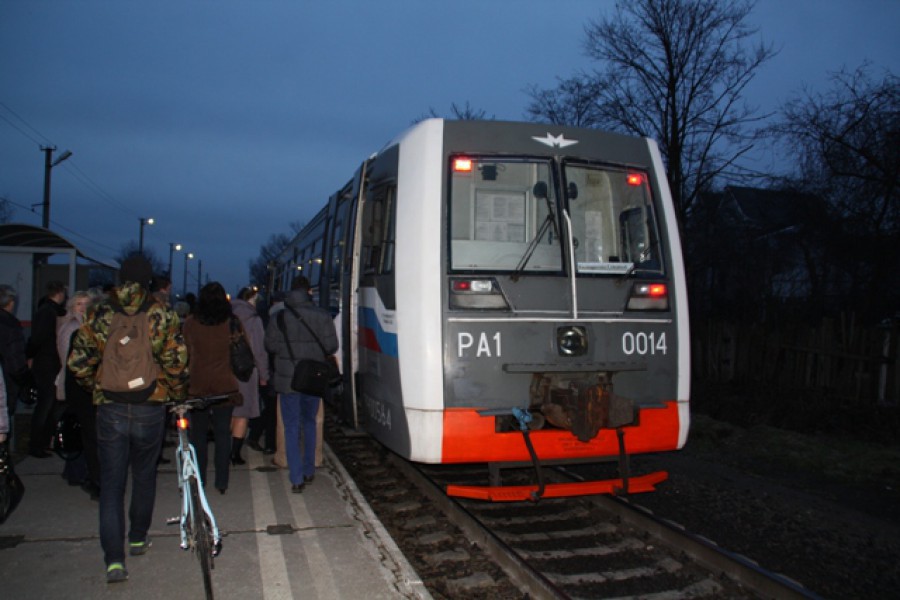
[{"x": 202, "y": 537}]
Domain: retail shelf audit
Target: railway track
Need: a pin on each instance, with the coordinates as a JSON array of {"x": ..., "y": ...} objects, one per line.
[{"x": 557, "y": 548}]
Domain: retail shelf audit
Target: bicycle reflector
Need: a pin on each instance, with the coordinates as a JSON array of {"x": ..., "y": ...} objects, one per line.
[{"x": 649, "y": 296}]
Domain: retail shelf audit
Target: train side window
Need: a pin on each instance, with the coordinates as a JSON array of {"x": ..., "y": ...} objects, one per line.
[{"x": 378, "y": 231}]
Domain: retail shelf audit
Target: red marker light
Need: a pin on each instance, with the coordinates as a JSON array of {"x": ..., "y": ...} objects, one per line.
[
  {"x": 657, "y": 290},
  {"x": 461, "y": 286},
  {"x": 635, "y": 179},
  {"x": 183, "y": 423},
  {"x": 462, "y": 165}
]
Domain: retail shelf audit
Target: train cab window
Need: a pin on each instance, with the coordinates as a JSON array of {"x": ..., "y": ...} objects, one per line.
[
  {"x": 503, "y": 215},
  {"x": 613, "y": 228}
]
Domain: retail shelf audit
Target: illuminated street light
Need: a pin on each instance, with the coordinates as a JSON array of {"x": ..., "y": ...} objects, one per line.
[
  {"x": 187, "y": 257},
  {"x": 172, "y": 248},
  {"x": 144, "y": 221},
  {"x": 49, "y": 163}
]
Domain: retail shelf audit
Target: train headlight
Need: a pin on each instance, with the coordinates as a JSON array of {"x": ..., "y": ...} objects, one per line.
[
  {"x": 649, "y": 296},
  {"x": 476, "y": 293},
  {"x": 571, "y": 341}
]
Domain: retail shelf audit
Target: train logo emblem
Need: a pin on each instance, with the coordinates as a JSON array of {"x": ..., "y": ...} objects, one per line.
[{"x": 558, "y": 141}]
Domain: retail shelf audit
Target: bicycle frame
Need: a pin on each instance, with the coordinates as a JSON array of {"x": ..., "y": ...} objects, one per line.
[{"x": 186, "y": 465}]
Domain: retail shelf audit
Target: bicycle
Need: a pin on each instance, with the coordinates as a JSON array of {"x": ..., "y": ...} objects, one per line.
[{"x": 199, "y": 532}]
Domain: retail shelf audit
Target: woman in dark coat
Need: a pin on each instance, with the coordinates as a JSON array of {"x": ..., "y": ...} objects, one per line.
[{"x": 207, "y": 333}]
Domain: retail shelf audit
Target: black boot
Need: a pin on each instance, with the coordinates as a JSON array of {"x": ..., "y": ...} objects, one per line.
[{"x": 236, "y": 444}]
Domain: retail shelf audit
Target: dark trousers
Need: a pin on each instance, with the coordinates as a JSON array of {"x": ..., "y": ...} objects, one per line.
[
  {"x": 42, "y": 419},
  {"x": 128, "y": 435},
  {"x": 221, "y": 423},
  {"x": 265, "y": 424},
  {"x": 81, "y": 404}
]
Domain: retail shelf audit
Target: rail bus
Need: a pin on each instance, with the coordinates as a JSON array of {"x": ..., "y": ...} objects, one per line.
[{"x": 506, "y": 293}]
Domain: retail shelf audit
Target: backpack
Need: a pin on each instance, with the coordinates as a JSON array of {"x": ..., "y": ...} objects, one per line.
[{"x": 128, "y": 372}]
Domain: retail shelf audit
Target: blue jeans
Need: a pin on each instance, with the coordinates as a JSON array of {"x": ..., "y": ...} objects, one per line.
[
  {"x": 128, "y": 435},
  {"x": 298, "y": 411}
]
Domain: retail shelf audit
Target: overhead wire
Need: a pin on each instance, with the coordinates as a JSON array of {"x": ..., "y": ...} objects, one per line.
[{"x": 72, "y": 168}]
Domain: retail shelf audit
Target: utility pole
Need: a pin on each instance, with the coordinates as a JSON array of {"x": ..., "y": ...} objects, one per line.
[{"x": 49, "y": 163}]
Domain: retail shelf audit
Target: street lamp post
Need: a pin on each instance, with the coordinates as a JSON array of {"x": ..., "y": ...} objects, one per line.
[
  {"x": 199, "y": 271},
  {"x": 144, "y": 221},
  {"x": 172, "y": 248},
  {"x": 187, "y": 256},
  {"x": 49, "y": 163}
]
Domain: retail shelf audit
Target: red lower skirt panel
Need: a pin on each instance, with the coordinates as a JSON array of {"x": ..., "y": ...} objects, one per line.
[
  {"x": 470, "y": 437},
  {"x": 518, "y": 493}
]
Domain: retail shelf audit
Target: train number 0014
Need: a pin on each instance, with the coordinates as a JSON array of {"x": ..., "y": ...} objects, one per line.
[{"x": 643, "y": 343}]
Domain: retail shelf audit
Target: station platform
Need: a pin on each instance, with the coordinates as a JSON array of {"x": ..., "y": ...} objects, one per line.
[{"x": 324, "y": 543}]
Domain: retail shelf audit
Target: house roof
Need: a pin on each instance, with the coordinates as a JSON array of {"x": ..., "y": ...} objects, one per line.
[{"x": 772, "y": 210}]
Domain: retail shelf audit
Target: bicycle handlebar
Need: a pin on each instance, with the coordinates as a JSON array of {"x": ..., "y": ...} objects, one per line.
[{"x": 199, "y": 403}]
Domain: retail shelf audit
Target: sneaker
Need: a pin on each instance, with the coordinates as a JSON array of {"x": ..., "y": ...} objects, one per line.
[
  {"x": 138, "y": 548},
  {"x": 115, "y": 573}
]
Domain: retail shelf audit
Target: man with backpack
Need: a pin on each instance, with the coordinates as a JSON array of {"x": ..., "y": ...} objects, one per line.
[{"x": 130, "y": 353}]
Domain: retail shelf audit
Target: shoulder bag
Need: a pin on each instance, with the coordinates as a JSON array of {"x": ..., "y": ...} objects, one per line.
[
  {"x": 242, "y": 360},
  {"x": 312, "y": 377},
  {"x": 11, "y": 487}
]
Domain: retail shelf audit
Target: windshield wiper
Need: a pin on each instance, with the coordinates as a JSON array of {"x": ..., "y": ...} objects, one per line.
[{"x": 539, "y": 191}]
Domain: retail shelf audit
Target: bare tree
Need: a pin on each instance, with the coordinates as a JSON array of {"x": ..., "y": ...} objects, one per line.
[
  {"x": 462, "y": 113},
  {"x": 673, "y": 70},
  {"x": 846, "y": 144},
  {"x": 130, "y": 249},
  {"x": 268, "y": 252}
]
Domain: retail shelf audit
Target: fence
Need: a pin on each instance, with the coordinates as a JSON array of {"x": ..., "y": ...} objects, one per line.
[{"x": 836, "y": 359}]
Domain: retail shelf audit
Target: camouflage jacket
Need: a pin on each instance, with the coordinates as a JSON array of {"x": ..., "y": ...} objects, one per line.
[{"x": 169, "y": 348}]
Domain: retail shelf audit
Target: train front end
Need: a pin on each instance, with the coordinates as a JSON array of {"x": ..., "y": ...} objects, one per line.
[{"x": 563, "y": 326}]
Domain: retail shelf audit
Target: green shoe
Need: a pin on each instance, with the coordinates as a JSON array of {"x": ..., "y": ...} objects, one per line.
[
  {"x": 138, "y": 548},
  {"x": 115, "y": 573}
]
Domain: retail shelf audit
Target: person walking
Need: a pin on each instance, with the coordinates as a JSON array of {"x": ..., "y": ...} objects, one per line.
[
  {"x": 129, "y": 424},
  {"x": 75, "y": 470},
  {"x": 12, "y": 352},
  {"x": 161, "y": 288},
  {"x": 300, "y": 331},
  {"x": 207, "y": 333},
  {"x": 79, "y": 401},
  {"x": 244, "y": 308},
  {"x": 45, "y": 365}
]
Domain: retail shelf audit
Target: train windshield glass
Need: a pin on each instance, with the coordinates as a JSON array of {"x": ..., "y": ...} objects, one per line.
[
  {"x": 503, "y": 215},
  {"x": 613, "y": 228}
]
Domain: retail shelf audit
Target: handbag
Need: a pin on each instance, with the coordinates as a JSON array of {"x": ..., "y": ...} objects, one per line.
[
  {"x": 11, "y": 487},
  {"x": 242, "y": 360},
  {"x": 312, "y": 377},
  {"x": 67, "y": 439}
]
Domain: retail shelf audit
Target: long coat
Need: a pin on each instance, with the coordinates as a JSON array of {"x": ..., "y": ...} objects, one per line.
[{"x": 253, "y": 329}]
